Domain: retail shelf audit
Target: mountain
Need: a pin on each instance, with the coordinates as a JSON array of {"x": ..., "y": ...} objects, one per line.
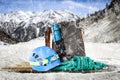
[
  {"x": 101, "y": 26},
  {"x": 6, "y": 39},
  {"x": 24, "y": 26},
  {"x": 104, "y": 25}
]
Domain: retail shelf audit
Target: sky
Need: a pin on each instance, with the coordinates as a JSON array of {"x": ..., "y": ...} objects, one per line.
[{"x": 79, "y": 7}]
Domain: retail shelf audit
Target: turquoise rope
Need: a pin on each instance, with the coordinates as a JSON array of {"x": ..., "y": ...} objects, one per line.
[{"x": 78, "y": 63}]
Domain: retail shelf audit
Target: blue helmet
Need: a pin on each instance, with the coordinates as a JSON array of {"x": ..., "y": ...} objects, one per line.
[{"x": 43, "y": 59}]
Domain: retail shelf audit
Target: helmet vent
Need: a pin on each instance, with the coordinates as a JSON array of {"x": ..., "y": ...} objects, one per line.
[
  {"x": 36, "y": 56},
  {"x": 33, "y": 54},
  {"x": 45, "y": 64}
]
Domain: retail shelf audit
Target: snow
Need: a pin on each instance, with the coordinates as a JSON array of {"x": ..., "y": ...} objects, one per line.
[
  {"x": 59, "y": 76},
  {"x": 107, "y": 53},
  {"x": 19, "y": 16},
  {"x": 105, "y": 30},
  {"x": 98, "y": 29},
  {"x": 2, "y": 43},
  {"x": 18, "y": 53},
  {"x": 15, "y": 54}
]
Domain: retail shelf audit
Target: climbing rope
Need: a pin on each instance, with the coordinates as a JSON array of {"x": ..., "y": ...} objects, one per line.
[{"x": 78, "y": 63}]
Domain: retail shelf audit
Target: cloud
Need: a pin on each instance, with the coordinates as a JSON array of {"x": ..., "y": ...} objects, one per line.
[
  {"x": 73, "y": 5},
  {"x": 79, "y": 7}
]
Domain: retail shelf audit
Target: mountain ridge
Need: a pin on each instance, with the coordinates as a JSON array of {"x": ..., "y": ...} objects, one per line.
[
  {"x": 103, "y": 26},
  {"x": 25, "y": 26}
]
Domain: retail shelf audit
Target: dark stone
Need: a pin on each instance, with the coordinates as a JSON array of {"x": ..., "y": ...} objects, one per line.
[{"x": 73, "y": 40}]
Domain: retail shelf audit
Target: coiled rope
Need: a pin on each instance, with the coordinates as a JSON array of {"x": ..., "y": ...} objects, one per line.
[{"x": 78, "y": 63}]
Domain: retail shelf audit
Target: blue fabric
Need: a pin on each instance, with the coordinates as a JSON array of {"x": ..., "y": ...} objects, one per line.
[
  {"x": 42, "y": 53},
  {"x": 56, "y": 32}
]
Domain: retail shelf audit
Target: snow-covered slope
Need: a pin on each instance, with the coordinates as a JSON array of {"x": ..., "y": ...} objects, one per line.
[
  {"x": 104, "y": 25},
  {"x": 10, "y": 55},
  {"x": 25, "y": 26},
  {"x": 17, "y": 53}
]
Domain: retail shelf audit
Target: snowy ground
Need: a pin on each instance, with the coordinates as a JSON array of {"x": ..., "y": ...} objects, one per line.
[{"x": 15, "y": 54}]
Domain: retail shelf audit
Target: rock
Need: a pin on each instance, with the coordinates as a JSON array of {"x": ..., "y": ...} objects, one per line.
[{"x": 73, "y": 40}]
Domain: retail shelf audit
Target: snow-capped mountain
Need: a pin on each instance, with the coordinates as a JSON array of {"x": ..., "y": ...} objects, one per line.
[
  {"x": 25, "y": 26},
  {"x": 34, "y": 17}
]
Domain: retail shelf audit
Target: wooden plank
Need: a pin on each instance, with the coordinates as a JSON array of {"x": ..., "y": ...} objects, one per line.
[{"x": 26, "y": 68}]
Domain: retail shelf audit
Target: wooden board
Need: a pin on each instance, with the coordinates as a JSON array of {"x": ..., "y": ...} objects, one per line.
[{"x": 26, "y": 68}]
